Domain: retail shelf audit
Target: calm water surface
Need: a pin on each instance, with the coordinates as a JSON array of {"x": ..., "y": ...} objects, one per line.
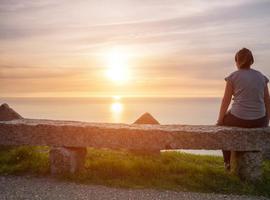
[{"x": 123, "y": 110}]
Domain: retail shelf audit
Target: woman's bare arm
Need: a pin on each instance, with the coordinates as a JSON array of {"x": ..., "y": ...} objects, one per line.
[
  {"x": 225, "y": 102},
  {"x": 267, "y": 101}
]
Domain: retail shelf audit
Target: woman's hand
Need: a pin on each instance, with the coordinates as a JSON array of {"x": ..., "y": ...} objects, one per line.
[{"x": 219, "y": 122}]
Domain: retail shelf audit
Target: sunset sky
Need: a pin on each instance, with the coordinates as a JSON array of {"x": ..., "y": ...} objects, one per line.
[{"x": 127, "y": 47}]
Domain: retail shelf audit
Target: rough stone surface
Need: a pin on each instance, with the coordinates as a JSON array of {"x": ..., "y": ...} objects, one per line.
[
  {"x": 137, "y": 137},
  {"x": 266, "y": 154},
  {"x": 7, "y": 113},
  {"x": 247, "y": 165},
  {"x": 146, "y": 118},
  {"x": 64, "y": 160}
]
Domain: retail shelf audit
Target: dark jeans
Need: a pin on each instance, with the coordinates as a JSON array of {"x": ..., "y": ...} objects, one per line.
[{"x": 231, "y": 120}]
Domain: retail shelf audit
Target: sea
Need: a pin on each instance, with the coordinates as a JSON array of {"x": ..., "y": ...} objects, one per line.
[{"x": 167, "y": 110}]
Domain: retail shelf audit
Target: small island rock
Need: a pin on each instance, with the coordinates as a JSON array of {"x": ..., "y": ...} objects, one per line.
[{"x": 7, "y": 113}]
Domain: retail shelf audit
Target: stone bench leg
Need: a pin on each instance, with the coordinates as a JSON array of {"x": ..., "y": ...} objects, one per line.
[
  {"x": 64, "y": 160},
  {"x": 247, "y": 165}
]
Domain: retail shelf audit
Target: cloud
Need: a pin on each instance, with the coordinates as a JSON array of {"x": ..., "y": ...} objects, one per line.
[
  {"x": 33, "y": 72},
  {"x": 172, "y": 39},
  {"x": 17, "y": 5},
  {"x": 211, "y": 17}
]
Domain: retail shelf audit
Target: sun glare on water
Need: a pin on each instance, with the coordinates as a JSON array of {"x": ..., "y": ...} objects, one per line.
[
  {"x": 117, "y": 65},
  {"x": 116, "y": 107}
]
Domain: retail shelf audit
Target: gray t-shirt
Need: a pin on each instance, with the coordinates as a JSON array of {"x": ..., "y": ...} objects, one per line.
[{"x": 248, "y": 93}]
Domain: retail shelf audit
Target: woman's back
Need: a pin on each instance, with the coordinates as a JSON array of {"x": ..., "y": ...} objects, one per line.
[
  {"x": 251, "y": 100},
  {"x": 248, "y": 93}
]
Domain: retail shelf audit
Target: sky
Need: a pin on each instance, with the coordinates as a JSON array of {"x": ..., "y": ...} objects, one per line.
[{"x": 164, "y": 48}]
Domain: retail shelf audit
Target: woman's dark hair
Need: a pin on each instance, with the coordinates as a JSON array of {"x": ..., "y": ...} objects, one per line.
[{"x": 244, "y": 58}]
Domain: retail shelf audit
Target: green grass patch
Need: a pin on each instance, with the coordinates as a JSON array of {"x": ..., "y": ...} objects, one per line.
[
  {"x": 21, "y": 160},
  {"x": 170, "y": 170}
]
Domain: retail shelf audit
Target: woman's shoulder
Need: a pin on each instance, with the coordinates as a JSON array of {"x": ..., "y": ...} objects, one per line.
[
  {"x": 231, "y": 76},
  {"x": 260, "y": 74},
  {"x": 244, "y": 73},
  {"x": 256, "y": 71},
  {"x": 234, "y": 73}
]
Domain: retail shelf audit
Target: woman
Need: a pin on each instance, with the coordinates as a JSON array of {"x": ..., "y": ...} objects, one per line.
[{"x": 251, "y": 101}]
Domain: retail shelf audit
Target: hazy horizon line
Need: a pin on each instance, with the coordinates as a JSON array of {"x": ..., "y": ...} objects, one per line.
[{"x": 115, "y": 96}]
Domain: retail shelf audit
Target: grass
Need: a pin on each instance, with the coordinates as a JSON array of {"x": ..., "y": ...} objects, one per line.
[
  {"x": 170, "y": 170},
  {"x": 21, "y": 160}
]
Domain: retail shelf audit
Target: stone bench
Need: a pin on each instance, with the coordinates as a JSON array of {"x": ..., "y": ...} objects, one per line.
[{"x": 246, "y": 145}]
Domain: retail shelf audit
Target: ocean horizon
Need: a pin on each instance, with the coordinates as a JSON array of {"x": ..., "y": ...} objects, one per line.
[{"x": 167, "y": 110}]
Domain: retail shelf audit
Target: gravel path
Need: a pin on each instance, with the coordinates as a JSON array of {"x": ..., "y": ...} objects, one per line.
[{"x": 26, "y": 187}]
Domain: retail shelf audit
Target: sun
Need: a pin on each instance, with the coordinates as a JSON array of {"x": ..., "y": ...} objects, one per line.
[
  {"x": 116, "y": 107},
  {"x": 117, "y": 64}
]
